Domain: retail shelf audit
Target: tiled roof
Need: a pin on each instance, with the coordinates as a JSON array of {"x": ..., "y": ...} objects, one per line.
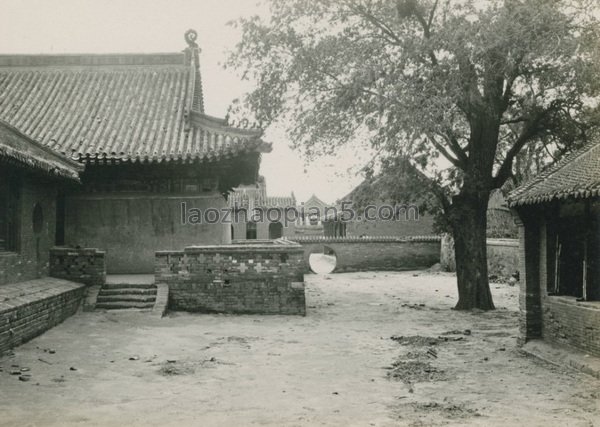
[
  {"x": 244, "y": 198},
  {"x": 314, "y": 201},
  {"x": 124, "y": 107},
  {"x": 577, "y": 176},
  {"x": 256, "y": 196},
  {"x": 280, "y": 201},
  {"x": 18, "y": 149}
]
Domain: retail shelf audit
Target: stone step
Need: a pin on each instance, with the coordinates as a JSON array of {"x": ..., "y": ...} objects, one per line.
[
  {"x": 125, "y": 297},
  {"x": 129, "y": 286},
  {"x": 127, "y": 291},
  {"x": 124, "y": 305}
]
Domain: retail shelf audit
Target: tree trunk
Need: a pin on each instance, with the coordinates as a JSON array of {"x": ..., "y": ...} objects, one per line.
[{"x": 468, "y": 220}]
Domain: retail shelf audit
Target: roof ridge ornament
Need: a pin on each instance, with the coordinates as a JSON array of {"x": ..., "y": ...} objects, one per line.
[
  {"x": 190, "y": 38},
  {"x": 192, "y": 53}
]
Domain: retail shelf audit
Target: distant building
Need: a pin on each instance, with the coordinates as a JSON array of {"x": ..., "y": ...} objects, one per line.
[
  {"x": 247, "y": 201},
  {"x": 559, "y": 231},
  {"x": 311, "y": 213},
  {"x": 410, "y": 221}
]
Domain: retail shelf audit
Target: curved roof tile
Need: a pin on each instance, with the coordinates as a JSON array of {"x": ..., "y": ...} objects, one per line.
[{"x": 576, "y": 175}]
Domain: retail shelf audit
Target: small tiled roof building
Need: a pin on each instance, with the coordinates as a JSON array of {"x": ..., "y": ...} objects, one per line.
[
  {"x": 558, "y": 215},
  {"x": 257, "y": 216},
  {"x": 30, "y": 177}
]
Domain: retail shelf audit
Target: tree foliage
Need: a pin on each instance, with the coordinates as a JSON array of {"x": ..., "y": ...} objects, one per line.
[
  {"x": 473, "y": 92},
  {"x": 415, "y": 76}
]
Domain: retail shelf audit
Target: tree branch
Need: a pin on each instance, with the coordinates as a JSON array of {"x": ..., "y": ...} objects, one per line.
[
  {"x": 456, "y": 162},
  {"x": 512, "y": 121},
  {"x": 441, "y": 195},
  {"x": 455, "y": 147},
  {"x": 505, "y": 170},
  {"x": 361, "y": 11},
  {"x": 426, "y": 26}
]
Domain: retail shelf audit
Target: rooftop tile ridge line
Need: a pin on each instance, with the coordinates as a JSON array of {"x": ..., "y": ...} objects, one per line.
[
  {"x": 153, "y": 114},
  {"x": 219, "y": 125},
  {"x": 197, "y": 99},
  {"x": 56, "y": 154},
  {"x": 526, "y": 186},
  {"x": 198, "y": 93},
  {"x": 160, "y": 132},
  {"x": 136, "y": 84},
  {"x": 89, "y": 59},
  {"x": 113, "y": 144}
]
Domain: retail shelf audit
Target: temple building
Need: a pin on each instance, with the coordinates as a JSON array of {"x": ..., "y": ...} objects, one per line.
[
  {"x": 134, "y": 127},
  {"x": 558, "y": 215},
  {"x": 257, "y": 216},
  {"x": 310, "y": 217}
]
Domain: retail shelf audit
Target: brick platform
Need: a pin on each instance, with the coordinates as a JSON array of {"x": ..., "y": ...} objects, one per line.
[
  {"x": 29, "y": 308},
  {"x": 262, "y": 278}
]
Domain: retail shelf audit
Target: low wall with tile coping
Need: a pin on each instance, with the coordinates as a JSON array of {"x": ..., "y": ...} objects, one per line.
[
  {"x": 29, "y": 308},
  {"x": 374, "y": 252},
  {"x": 265, "y": 278}
]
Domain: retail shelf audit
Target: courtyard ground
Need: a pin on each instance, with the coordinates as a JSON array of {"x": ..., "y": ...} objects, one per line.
[{"x": 338, "y": 366}]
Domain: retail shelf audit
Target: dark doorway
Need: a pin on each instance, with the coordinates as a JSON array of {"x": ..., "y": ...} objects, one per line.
[
  {"x": 275, "y": 230},
  {"x": 251, "y": 230},
  {"x": 571, "y": 252}
]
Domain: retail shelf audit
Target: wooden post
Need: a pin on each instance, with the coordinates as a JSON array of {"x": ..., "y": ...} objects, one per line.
[{"x": 586, "y": 234}]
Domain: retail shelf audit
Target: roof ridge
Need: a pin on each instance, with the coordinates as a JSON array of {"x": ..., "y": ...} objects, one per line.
[
  {"x": 193, "y": 55},
  {"x": 127, "y": 112},
  {"x": 91, "y": 59}
]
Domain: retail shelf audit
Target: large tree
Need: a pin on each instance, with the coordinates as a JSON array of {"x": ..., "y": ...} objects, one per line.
[{"x": 460, "y": 87}]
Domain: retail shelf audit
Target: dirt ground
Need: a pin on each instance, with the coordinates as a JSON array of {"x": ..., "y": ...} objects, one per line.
[{"x": 375, "y": 349}]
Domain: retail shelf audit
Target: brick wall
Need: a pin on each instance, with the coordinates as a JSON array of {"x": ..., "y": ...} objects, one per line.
[
  {"x": 85, "y": 266},
  {"x": 262, "y": 278},
  {"x": 131, "y": 227},
  {"x": 29, "y": 308},
  {"x": 374, "y": 253},
  {"x": 558, "y": 319},
  {"x": 530, "y": 308},
  {"x": 31, "y": 259},
  {"x": 572, "y": 323}
]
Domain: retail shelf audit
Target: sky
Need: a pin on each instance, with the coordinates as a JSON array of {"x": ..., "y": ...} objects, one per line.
[{"x": 115, "y": 26}]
